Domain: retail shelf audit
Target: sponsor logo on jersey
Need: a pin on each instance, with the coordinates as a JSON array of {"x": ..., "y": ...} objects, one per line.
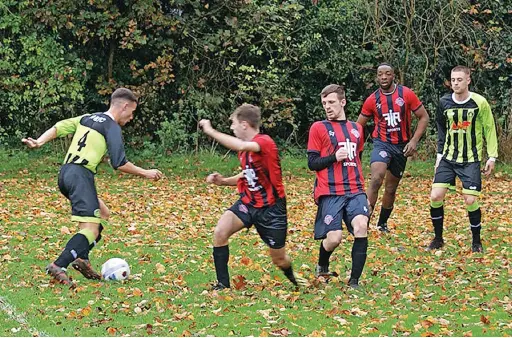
[
  {"x": 392, "y": 118},
  {"x": 462, "y": 125},
  {"x": 350, "y": 147},
  {"x": 355, "y": 133},
  {"x": 97, "y": 118},
  {"x": 252, "y": 179}
]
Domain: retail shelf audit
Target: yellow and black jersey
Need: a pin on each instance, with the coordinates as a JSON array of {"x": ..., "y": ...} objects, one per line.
[
  {"x": 462, "y": 127},
  {"x": 95, "y": 134}
]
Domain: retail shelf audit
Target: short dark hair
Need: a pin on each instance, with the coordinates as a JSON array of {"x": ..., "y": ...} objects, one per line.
[
  {"x": 463, "y": 69},
  {"x": 385, "y": 64},
  {"x": 249, "y": 113},
  {"x": 123, "y": 94},
  {"x": 333, "y": 88}
]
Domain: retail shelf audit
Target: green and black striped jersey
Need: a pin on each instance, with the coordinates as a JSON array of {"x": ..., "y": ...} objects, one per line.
[
  {"x": 94, "y": 135},
  {"x": 462, "y": 127}
]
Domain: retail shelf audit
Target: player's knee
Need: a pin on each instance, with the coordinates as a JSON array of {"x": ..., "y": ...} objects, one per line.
[
  {"x": 105, "y": 213},
  {"x": 93, "y": 227},
  {"x": 436, "y": 196},
  {"x": 333, "y": 240},
  {"x": 391, "y": 189},
  {"x": 220, "y": 233},
  {"x": 360, "y": 226},
  {"x": 376, "y": 182},
  {"x": 469, "y": 199},
  {"x": 280, "y": 260}
]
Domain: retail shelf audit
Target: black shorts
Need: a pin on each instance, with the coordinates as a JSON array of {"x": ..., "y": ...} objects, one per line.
[
  {"x": 270, "y": 222},
  {"x": 468, "y": 173},
  {"x": 391, "y": 154},
  {"x": 77, "y": 184},
  {"x": 334, "y": 209}
]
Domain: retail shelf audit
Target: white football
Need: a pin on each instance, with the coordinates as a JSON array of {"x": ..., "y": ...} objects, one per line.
[{"x": 115, "y": 269}]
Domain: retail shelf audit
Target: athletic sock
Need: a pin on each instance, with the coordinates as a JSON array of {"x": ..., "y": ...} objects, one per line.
[
  {"x": 221, "y": 258},
  {"x": 324, "y": 255},
  {"x": 437, "y": 216},
  {"x": 475, "y": 221},
  {"x": 384, "y": 216},
  {"x": 288, "y": 272},
  {"x": 77, "y": 246},
  {"x": 359, "y": 253}
]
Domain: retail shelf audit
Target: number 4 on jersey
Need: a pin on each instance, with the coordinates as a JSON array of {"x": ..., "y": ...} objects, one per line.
[{"x": 81, "y": 141}]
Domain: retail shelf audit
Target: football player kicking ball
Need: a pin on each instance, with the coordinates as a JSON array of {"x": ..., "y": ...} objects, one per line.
[
  {"x": 94, "y": 135},
  {"x": 334, "y": 153},
  {"x": 262, "y": 197}
]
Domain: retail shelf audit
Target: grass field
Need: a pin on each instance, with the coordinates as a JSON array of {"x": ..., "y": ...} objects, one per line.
[{"x": 164, "y": 230}]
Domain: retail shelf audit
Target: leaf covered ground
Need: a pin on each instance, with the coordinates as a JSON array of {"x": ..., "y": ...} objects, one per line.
[{"x": 164, "y": 230}]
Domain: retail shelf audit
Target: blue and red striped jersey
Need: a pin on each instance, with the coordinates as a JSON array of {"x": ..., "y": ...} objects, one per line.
[
  {"x": 262, "y": 183},
  {"x": 340, "y": 178},
  {"x": 392, "y": 114}
]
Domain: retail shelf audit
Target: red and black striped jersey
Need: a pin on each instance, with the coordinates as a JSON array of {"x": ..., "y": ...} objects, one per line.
[
  {"x": 340, "y": 178},
  {"x": 262, "y": 183},
  {"x": 391, "y": 113}
]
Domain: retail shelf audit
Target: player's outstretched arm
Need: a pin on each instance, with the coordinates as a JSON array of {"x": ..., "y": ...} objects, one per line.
[
  {"x": 130, "y": 168},
  {"x": 228, "y": 141},
  {"x": 218, "y": 179},
  {"x": 47, "y": 136}
]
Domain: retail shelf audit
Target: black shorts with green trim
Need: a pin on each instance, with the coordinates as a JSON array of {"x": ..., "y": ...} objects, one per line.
[
  {"x": 270, "y": 222},
  {"x": 468, "y": 173},
  {"x": 77, "y": 183}
]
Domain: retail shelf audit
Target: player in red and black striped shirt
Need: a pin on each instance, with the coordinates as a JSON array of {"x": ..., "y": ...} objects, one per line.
[
  {"x": 262, "y": 197},
  {"x": 334, "y": 152},
  {"x": 391, "y": 107}
]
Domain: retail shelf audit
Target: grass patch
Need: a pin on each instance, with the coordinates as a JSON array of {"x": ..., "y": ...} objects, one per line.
[{"x": 164, "y": 230}]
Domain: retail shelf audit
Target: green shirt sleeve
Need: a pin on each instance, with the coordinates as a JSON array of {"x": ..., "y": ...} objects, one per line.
[
  {"x": 489, "y": 130},
  {"x": 68, "y": 126}
]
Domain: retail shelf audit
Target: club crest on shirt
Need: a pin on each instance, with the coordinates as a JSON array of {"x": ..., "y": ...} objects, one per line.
[
  {"x": 383, "y": 154},
  {"x": 328, "y": 219},
  {"x": 355, "y": 133},
  {"x": 399, "y": 101},
  {"x": 243, "y": 208}
]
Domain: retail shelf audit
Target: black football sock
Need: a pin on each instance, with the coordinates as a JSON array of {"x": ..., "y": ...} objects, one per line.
[
  {"x": 221, "y": 258},
  {"x": 359, "y": 253},
  {"x": 384, "y": 216},
  {"x": 475, "y": 219},
  {"x": 91, "y": 246},
  {"x": 288, "y": 272},
  {"x": 78, "y": 246},
  {"x": 324, "y": 255},
  {"x": 437, "y": 216}
]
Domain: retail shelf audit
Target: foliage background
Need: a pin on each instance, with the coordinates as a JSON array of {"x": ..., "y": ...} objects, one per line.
[{"x": 190, "y": 59}]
